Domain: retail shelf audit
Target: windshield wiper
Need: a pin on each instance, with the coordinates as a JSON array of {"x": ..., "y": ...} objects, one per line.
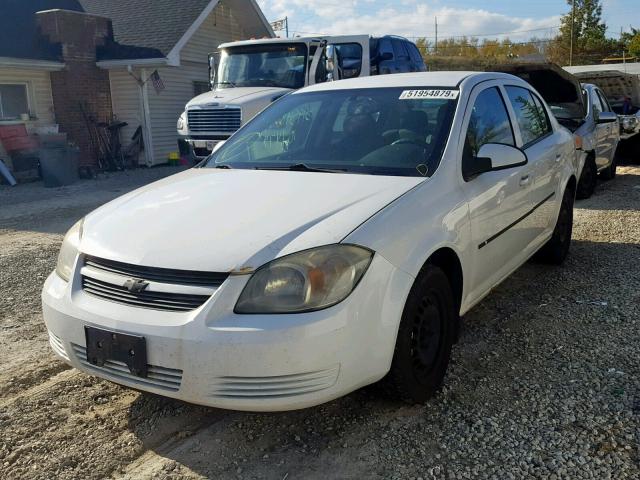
[
  {"x": 226, "y": 82},
  {"x": 222, "y": 165},
  {"x": 301, "y": 167}
]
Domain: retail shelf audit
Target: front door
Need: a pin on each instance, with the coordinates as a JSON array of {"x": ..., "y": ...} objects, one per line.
[
  {"x": 603, "y": 133},
  {"x": 498, "y": 200}
]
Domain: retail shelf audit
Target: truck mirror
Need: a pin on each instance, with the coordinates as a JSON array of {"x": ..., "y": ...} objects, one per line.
[
  {"x": 331, "y": 63},
  {"x": 213, "y": 68}
]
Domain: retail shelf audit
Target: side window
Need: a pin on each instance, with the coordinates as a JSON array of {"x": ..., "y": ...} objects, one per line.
[
  {"x": 531, "y": 117},
  {"x": 544, "y": 117},
  {"x": 597, "y": 105},
  {"x": 385, "y": 46},
  {"x": 489, "y": 122},
  {"x": 399, "y": 50},
  {"x": 350, "y": 59},
  {"x": 604, "y": 101},
  {"x": 414, "y": 53}
]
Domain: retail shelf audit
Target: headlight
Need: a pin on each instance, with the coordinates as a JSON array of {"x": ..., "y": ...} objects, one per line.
[
  {"x": 182, "y": 121},
  {"x": 305, "y": 281},
  {"x": 69, "y": 251}
]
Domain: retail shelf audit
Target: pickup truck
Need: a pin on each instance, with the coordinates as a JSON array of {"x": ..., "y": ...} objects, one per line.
[
  {"x": 585, "y": 111},
  {"x": 247, "y": 76}
]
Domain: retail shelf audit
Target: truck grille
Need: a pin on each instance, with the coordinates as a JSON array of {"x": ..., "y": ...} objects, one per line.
[
  {"x": 106, "y": 279},
  {"x": 225, "y": 120}
]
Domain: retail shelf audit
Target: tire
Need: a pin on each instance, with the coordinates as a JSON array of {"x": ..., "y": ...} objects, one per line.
[
  {"x": 588, "y": 179},
  {"x": 609, "y": 173},
  {"x": 557, "y": 247},
  {"x": 425, "y": 337}
]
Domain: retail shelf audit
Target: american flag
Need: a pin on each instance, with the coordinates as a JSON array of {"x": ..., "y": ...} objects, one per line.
[{"x": 158, "y": 84}]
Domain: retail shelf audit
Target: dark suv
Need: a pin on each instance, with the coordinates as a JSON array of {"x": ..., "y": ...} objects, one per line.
[{"x": 392, "y": 54}]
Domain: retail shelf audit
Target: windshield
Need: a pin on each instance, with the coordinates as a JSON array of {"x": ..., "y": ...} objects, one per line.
[
  {"x": 270, "y": 65},
  {"x": 381, "y": 131}
]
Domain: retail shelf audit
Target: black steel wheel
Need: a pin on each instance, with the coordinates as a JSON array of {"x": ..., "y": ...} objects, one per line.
[
  {"x": 557, "y": 247},
  {"x": 425, "y": 338},
  {"x": 588, "y": 178}
]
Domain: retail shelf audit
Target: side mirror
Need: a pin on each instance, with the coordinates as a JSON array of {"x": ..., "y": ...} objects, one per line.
[
  {"x": 213, "y": 69},
  {"x": 331, "y": 63},
  {"x": 492, "y": 157},
  {"x": 607, "y": 117}
]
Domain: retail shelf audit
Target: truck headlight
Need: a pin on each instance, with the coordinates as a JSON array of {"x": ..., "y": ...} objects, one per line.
[
  {"x": 69, "y": 251},
  {"x": 182, "y": 121},
  {"x": 305, "y": 281}
]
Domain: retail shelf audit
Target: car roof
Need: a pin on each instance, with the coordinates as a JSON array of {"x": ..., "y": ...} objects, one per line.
[{"x": 418, "y": 79}]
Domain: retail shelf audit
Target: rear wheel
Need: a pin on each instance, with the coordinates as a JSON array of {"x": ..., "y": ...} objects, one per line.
[
  {"x": 609, "y": 173},
  {"x": 557, "y": 247},
  {"x": 425, "y": 337},
  {"x": 588, "y": 179}
]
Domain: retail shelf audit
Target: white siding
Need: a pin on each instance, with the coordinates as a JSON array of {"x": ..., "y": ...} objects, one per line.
[
  {"x": 219, "y": 27},
  {"x": 40, "y": 99},
  {"x": 165, "y": 107},
  {"x": 126, "y": 102}
]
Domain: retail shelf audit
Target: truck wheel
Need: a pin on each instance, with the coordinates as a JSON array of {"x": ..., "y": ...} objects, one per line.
[
  {"x": 609, "y": 173},
  {"x": 588, "y": 179},
  {"x": 557, "y": 247},
  {"x": 425, "y": 337}
]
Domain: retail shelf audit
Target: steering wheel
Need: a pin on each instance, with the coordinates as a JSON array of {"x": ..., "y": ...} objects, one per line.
[{"x": 402, "y": 141}]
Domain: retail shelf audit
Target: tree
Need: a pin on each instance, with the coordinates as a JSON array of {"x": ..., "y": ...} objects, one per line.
[
  {"x": 583, "y": 23},
  {"x": 630, "y": 42}
]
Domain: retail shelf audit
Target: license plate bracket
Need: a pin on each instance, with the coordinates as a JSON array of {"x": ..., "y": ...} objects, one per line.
[{"x": 103, "y": 345}]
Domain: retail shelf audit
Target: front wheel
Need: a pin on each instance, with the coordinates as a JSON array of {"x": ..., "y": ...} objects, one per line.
[
  {"x": 557, "y": 247},
  {"x": 609, "y": 173},
  {"x": 588, "y": 179},
  {"x": 425, "y": 338}
]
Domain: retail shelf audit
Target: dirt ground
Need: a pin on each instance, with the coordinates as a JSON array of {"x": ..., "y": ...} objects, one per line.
[{"x": 544, "y": 382}]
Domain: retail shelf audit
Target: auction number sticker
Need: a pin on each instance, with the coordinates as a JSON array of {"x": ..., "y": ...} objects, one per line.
[{"x": 420, "y": 94}]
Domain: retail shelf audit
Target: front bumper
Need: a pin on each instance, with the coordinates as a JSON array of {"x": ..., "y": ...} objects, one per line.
[
  {"x": 199, "y": 148},
  {"x": 212, "y": 356}
]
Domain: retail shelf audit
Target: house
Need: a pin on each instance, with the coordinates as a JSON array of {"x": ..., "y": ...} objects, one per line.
[{"x": 62, "y": 61}]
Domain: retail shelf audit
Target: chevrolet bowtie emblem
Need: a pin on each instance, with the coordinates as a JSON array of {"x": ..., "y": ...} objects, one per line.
[{"x": 135, "y": 285}]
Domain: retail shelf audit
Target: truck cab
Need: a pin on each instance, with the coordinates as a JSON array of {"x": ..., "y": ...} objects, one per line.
[{"x": 247, "y": 76}]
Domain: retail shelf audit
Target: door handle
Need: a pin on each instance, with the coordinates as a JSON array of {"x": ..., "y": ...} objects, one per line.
[
  {"x": 558, "y": 157},
  {"x": 524, "y": 181}
]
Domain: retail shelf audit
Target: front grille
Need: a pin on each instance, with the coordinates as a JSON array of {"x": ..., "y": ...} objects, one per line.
[
  {"x": 171, "y": 302},
  {"x": 157, "y": 377},
  {"x": 168, "y": 289},
  {"x": 154, "y": 274},
  {"x": 226, "y": 120},
  {"x": 275, "y": 386}
]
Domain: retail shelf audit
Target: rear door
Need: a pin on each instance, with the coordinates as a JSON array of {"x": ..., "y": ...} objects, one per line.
[
  {"x": 499, "y": 200},
  {"x": 540, "y": 144},
  {"x": 614, "y": 127}
]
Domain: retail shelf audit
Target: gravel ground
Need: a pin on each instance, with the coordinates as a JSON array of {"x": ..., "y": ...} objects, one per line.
[{"x": 544, "y": 383}]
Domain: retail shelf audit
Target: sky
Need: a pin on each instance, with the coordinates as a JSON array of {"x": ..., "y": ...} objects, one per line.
[{"x": 517, "y": 19}]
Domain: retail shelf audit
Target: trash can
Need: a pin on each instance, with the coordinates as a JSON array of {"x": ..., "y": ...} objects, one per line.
[{"x": 58, "y": 165}]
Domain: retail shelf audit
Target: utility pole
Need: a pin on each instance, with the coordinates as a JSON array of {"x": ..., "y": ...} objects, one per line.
[
  {"x": 573, "y": 12},
  {"x": 436, "y": 46},
  {"x": 286, "y": 26}
]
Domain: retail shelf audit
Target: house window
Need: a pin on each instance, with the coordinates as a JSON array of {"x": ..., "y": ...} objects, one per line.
[
  {"x": 200, "y": 87},
  {"x": 14, "y": 100}
]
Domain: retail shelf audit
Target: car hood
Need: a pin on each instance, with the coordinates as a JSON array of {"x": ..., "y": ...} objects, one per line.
[
  {"x": 235, "y": 96},
  {"x": 235, "y": 220}
]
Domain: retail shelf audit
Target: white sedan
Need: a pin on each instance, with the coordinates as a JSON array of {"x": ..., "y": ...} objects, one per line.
[{"x": 332, "y": 242}]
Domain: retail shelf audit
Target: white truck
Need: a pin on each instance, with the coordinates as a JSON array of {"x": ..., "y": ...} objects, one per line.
[{"x": 247, "y": 76}]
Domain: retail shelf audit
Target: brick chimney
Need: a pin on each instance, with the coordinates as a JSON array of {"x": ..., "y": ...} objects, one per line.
[{"x": 81, "y": 85}]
